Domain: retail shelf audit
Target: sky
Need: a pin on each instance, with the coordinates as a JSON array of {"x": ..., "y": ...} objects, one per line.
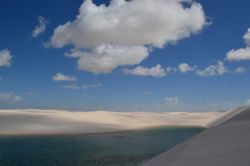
[{"x": 161, "y": 55}]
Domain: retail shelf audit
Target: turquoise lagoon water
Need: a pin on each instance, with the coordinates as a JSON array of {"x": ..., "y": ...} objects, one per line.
[{"x": 120, "y": 149}]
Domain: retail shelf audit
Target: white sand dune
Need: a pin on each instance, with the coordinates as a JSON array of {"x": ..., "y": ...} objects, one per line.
[
  {"x": 225, "y": 143},
  {"x": 46, "y": 122}
]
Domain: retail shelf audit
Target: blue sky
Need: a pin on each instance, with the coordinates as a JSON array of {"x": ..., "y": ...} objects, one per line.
[{"x": 140, "y": 73}]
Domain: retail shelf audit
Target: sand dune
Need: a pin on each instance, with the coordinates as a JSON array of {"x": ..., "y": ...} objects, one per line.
[
  {"x": 39, "y": 122},
  {"x": 226, "y": 144}
]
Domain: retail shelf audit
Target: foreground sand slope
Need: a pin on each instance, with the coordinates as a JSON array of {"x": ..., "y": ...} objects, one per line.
[
  {"x": 38, "y": 122},
  {"x": 227, "y": 144}
]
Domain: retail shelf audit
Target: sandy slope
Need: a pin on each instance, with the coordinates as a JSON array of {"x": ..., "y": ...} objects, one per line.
[
  {"x": 224, "y": 144},
  {"x": 23, "y": 122}
]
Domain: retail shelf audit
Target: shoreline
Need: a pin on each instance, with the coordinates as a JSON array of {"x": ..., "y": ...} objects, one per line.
[{"x": 102, "y": 133}]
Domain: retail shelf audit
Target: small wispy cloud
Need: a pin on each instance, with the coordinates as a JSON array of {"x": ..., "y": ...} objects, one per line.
[
  {"x": 9, "y": 97},
  {"x": 63, "y": 77},
  {"x": 172, "y": 101},
  {"x": 90, "y": 86},
  {"x": 185, "y": 68},
  {"x": 170, "y": 104},
  {"x": 71, "y": 86},
  {"x": 75, "y": 86},
  {"x": 155, "y": 71},
  {"x": 213, "y": 70},
  {"x": 5, "y": 58},
  {"x": 40, "y": 28},
  {"x": 217, "y": 69},
  {"x": 240, "y": 70}
]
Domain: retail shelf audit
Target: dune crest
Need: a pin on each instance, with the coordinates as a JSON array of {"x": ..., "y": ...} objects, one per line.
[{"x": 47, "y": 122}]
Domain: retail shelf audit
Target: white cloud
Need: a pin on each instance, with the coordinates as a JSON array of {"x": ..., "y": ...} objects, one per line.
[
  {"x": 184, "y": 68},
  {"x": 71, "y": 86},
  {"x": 239, "y": 54},
  {"x": 242, "y": 53},
  {"x": 63, "y": 77},
  {"x": 156, "y": 71},
  {"x": 171, "y": 101},
  {"x": 90, "y": 86},
  {"x": 105, "y": 58},
  {"x": 240, "y": 70},
  {"x": 75, "y": 86},
  {"x": 246, "y": 37},
  {"x": 40, "y": 28},
  {"x": 213, "y": 70},
  {"x": 127, "y": 26},
  {"x": 5, "y": 58},
  {"x": 170, "y": 70},
  {"x": 171, "y": 104},
  {"x": 9, "y": 97},
  {"x": 131, "y": 23}
]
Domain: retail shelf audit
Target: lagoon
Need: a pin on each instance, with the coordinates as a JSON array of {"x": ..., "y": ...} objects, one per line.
[{"x": 129, "y": 148}]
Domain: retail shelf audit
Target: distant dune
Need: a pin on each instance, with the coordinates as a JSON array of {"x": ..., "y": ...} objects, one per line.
[{"x": 52, "y": 122}]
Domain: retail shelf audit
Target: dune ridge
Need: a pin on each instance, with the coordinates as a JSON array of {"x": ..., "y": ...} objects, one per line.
[{"x": 50, "y": 122}]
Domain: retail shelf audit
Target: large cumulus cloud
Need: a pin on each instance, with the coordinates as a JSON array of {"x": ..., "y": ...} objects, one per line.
[{"x": 127, "y": 26}]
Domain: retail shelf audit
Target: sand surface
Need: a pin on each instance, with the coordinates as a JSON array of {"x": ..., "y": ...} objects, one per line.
[
  {"x": 225, "y": 144},
  {"x": 39, "y": 122}
]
